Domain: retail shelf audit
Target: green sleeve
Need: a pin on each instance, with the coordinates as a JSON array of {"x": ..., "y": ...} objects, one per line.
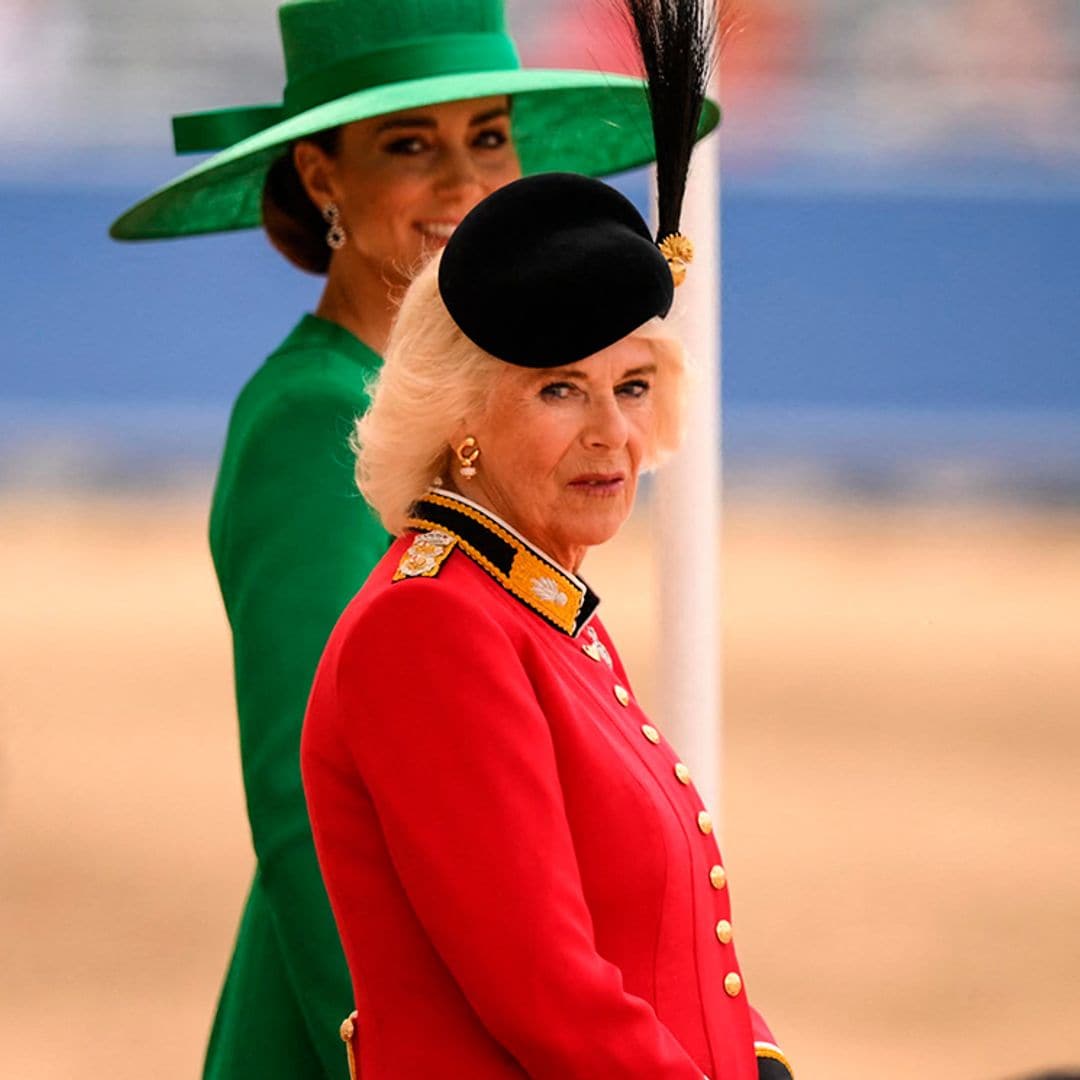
[{"x": 296, "y": 542}]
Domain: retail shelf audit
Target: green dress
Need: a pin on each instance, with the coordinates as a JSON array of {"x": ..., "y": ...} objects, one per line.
[{"x": 292, "y": 541}]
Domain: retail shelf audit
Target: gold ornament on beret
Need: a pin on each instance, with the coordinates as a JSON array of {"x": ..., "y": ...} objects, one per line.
[{"x": 679, "y": 252}]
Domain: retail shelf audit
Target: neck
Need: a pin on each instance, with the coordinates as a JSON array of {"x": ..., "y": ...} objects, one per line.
[{"x": 360, "y": 297}]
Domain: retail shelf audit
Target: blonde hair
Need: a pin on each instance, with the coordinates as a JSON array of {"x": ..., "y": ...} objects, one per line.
[{"x": 433, "y": 377}]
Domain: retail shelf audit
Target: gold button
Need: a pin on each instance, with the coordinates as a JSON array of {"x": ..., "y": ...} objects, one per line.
[
  {"x": 723, "y": 931},
  {"x": 682, "y": 773},
  {"x": 650, "y": 733},
  {"x": 718, "y": 877},
  {"x": 704, "y": 822},
  {"x": 733, "y": 984},
  {"x": 622, "y": 695}
]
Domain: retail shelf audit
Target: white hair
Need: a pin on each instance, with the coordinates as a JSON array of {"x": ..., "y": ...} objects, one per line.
[{"x": 433, "y": 377}]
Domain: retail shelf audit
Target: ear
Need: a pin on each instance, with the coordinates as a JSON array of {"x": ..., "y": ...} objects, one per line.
[
  {"x": 318, "y": 173},
  {"x": 460, "y": 433},
  {"x": 465, "y": 426}
]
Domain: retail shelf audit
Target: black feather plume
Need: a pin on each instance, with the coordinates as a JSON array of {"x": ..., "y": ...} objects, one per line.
[{"x": 677, "y": 40}]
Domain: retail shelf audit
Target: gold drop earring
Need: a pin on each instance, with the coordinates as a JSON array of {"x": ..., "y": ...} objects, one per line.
[{"x": 467, "y": 453}]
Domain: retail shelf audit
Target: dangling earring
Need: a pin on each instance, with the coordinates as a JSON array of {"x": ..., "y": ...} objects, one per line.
[
  {"x": 335, "y": 235},
  {"x": 467, "y": 453}
]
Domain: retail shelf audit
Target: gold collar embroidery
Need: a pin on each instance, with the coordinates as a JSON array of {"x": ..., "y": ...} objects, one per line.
[{"x": 537, "y": 581}]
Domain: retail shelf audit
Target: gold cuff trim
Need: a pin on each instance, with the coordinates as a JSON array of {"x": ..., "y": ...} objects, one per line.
[
  {"x": 768, "y": 1050},
  {"x": 347, "y": 1030}
]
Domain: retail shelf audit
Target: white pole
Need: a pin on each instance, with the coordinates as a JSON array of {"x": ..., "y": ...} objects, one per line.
[{"x": 687, "y": 506}]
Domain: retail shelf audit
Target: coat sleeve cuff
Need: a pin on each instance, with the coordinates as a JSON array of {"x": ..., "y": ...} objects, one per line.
[{"x": 771, "y": 1063}]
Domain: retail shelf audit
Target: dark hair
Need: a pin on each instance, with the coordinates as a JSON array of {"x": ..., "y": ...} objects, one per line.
[
  {"x": 1053, "y": 1074},
  {"x": 293, "y": 222}
]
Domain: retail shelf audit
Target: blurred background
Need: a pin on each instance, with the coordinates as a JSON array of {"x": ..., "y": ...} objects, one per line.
[{"x": 901, "y": 318}]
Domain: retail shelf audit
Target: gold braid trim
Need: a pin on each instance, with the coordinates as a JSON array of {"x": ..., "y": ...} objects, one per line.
[
  {"x": 524, "y": 568},
  {"x": 527, "y": 572},
  {"x": 766, "y": 1050}
]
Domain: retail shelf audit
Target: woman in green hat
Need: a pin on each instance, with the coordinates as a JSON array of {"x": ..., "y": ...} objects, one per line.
[{"x": 398, "y": 116}]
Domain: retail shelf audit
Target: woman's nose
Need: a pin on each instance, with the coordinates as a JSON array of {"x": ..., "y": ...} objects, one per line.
[
  {"x": 457, "y": 170},
  {"x": 606, "y": 427}
]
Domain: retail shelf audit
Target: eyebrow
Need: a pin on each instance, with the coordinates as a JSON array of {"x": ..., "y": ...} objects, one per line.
[
  {"x": 429, "y": 122},
  {"x": 576, "y": 373},
  {"x": 491, "y": 114}
]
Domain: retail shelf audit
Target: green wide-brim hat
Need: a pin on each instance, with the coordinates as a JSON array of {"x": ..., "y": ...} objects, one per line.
[{"x": 349, "y": 60}]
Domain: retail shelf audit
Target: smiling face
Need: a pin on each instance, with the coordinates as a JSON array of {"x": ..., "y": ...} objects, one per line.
[
  {"x": 404, "y": 180},
  {"x": 561, "y": 448}
]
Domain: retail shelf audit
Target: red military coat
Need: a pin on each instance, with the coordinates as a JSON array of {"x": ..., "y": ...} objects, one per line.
[{"x": 523, "y": 876}]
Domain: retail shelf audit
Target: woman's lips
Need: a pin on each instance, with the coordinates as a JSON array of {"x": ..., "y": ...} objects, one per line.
[{"x": 598, "y": 483}]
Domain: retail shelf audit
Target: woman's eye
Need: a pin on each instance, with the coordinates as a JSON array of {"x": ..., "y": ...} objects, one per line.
[
  {"x": 491, "y": 139},
  {"x": 636, "y": 388},
  {"x": 413, "y": 144},
  {"x": 557, "y": 391}
]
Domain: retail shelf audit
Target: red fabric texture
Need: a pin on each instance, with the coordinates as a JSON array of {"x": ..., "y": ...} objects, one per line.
[
  {"x": 518, "y": 877},
  {"x": 760, "y": 1028}
]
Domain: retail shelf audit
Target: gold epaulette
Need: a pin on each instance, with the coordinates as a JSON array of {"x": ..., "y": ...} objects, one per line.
[{"x": 426, "y": 555}]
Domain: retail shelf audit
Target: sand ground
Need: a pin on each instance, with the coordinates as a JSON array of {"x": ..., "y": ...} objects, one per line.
[{"x": 902, "y": 783}]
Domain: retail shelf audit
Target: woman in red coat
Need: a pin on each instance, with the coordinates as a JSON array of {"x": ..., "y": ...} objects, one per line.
[{"x": 524, "y": 877}]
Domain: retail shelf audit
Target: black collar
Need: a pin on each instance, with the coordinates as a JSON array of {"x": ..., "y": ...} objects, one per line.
[{"x": 551, "y": 592}]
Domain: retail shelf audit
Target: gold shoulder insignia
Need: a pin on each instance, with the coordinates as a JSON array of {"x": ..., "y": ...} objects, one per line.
[{"x": 426, "y": 555}]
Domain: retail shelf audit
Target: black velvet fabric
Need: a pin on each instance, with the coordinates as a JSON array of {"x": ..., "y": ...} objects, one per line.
[
  {"x": 497, "y": 551},
  {"x": 551, "y": 269},
  {"x": 771, "y": 1069}
]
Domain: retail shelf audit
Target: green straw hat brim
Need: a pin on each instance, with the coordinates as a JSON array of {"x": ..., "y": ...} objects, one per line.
[{"x": 562, "y": 121}]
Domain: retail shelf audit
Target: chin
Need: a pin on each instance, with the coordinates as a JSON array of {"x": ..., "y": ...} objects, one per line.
[{"x": 595, "y": 529}]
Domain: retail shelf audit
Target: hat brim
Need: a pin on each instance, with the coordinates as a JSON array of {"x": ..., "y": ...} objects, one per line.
[{"x": 563, "y": 121}]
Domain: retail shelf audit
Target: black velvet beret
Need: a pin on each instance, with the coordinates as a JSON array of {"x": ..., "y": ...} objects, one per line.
[{"x": 551, "y": 269}]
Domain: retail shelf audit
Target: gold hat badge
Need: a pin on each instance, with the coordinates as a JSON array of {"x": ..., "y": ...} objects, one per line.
[{"x": 679, "y": 252}]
